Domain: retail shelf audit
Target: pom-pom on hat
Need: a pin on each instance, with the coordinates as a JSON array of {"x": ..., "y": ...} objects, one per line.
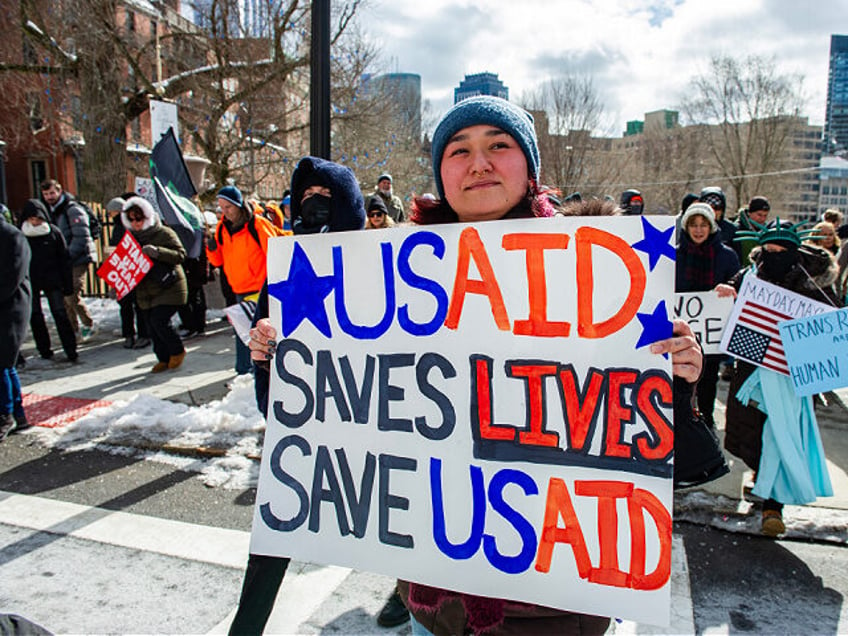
[
  {"x": 232, "y": 194},
  {"x": 494, "y": 111},
  {"x": 699, "y": 209}
]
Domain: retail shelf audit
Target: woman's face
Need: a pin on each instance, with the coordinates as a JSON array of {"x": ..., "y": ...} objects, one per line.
[
  {"x": 484, "y": 173},
  {"x": 377, "y": 218},
  {"x": 828, "y": 236},
  {"x": 698, "y": 229},
  {"x": 36, "y": 220}
]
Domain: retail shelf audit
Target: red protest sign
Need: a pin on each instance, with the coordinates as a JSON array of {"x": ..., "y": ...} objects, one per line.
[{"x": 125, "y": 267}]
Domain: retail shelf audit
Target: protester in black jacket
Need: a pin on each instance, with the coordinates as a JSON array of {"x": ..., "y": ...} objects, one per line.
[
  {"x": 14, "y": 311},
  {"x": 50, "y": 275}
]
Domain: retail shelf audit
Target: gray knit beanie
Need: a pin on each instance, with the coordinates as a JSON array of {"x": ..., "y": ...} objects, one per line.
[{"x": 494, "y": 111}]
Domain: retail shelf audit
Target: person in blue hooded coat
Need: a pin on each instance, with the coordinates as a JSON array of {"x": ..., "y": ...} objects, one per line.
[{"x": 325, "y": 197}]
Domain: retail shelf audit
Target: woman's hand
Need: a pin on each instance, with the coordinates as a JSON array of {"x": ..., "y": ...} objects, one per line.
[
  {"x": 724, "y": 289},
  {"x": 686, "y": 355},
  {"x": 263, "y": 340}
]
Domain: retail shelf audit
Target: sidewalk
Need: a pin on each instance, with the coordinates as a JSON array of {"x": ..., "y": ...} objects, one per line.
[
  {"x": 723, "y": 504},
  {"x": 108, "y": 372}
]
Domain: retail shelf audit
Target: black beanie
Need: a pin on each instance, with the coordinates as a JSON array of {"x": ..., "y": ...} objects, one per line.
[
  {"x": 688, "y": 200},
  {"x": 376, "y": 203},
  {"x": 758, "y": 203}
]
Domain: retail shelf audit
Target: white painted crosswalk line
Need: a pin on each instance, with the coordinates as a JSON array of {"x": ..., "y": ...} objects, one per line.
[
  {"x": 305, "y": 588},
  {"x": 219, "y": 546}
]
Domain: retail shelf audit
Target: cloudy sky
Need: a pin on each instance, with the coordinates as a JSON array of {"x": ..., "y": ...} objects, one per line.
[{"x": 640, "y": 53}]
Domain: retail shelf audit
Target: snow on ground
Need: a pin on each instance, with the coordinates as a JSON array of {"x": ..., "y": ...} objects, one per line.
[{"x": 145, "y": 425}]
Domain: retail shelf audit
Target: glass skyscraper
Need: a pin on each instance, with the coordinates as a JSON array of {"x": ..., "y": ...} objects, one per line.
[{"x": 836, "y": 118}]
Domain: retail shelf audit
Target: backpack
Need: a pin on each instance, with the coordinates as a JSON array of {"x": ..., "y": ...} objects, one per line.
[{"x": 95, "y": 227}]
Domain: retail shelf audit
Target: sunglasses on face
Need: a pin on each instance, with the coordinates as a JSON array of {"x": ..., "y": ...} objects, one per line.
[
  {"x": 375, "y": 214},
  {"x": 135, "y": 219}
]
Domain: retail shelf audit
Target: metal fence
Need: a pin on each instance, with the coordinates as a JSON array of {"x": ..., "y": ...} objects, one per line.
[{"x": 94, "y": 285}]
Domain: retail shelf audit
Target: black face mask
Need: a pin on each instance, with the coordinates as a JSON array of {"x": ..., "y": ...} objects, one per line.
[
  {"x": 774, "y": 266},
  {"x": 314, "y": 216}
]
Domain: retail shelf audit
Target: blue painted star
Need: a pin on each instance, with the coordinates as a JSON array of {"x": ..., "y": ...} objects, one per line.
[
  {"x": 656, "y": 244},
  {"x": 302, "y": 295},
  {"x": 655, "y": 326}
]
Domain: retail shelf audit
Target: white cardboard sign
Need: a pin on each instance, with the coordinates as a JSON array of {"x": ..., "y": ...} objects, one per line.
[{"x": 476, "y": 407}]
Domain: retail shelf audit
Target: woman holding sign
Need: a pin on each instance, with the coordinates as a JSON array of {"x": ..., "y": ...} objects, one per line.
[
  {"x": 763, "y": 412},
  {"x": 704, "y": 261},
  {"x": 486, "y": 166},
  {"x": 163, "y": 289}
]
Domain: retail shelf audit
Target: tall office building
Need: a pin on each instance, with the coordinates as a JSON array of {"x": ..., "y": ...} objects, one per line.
[
  {"x": 836, "y": 118},
  {"x": 404, "y": 89},
  {"x": 480, "y": 84}
]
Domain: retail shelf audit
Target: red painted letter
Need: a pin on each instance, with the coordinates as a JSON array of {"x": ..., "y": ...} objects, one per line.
[
  {"x": 586, "y": 237},
  {"x": 655, "y": 420},
  {"x": 639, "y": 501},
  {"x": 617, "y": 413},
  {"x": 559, "y": 504},
  {"x": 579, "y": 417},
  {"x": 470, "y": 246},
  {"x": 535, "y": 403},
  {"x": 607, "y": 493},
  {"x": 535, "y": 245}
]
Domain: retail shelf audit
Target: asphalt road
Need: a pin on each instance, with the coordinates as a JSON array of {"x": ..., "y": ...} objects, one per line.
[{"x": 71, "y": 581}]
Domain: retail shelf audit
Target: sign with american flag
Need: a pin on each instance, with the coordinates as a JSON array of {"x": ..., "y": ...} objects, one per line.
[{"x": 752, "y": 332}]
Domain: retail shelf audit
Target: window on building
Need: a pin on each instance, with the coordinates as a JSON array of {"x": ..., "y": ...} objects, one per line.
[
  {"x": 825, "y": 189},
  {"x": 33, "y": 103},
  {"x": 76, "y": 112},
  {"x": 130, "y": 21},
  {"x": 38, "y": 173}
]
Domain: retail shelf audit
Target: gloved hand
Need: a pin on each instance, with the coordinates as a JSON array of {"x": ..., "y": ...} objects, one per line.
[
  {"x": 211, "y": 243},
  {"x": 151, "y": 251}
]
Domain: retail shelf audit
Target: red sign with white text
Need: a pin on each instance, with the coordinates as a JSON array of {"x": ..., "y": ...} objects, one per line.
[{"x": 125, "y": 267}]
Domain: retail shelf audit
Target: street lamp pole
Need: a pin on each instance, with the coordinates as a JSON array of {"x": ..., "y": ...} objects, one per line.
[{"x": 319, "y": 93}]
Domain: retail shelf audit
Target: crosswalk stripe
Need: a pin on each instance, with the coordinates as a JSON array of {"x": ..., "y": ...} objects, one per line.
[
  {"x": 218, "y": 546},
  {"x": 305, "y": 588}
]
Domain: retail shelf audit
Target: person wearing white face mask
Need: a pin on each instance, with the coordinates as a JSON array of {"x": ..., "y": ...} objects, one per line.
[{"x": 50, "y": 275}]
